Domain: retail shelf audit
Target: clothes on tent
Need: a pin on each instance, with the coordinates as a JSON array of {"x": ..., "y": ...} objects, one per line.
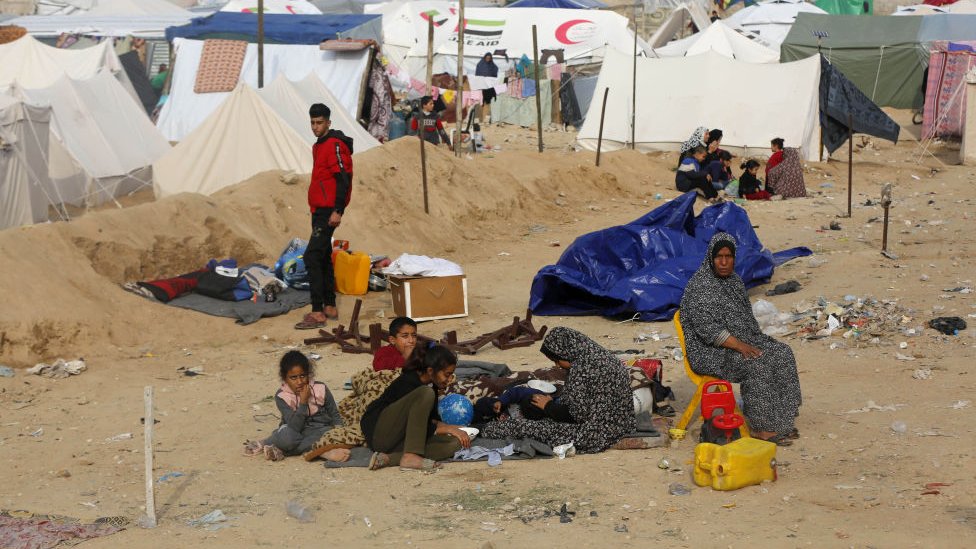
[
  {"x": 713, "y": 309},
  {"x": 840, "y": 99},
  {"x": 786, "y": 178},
  {"x": 380, "y": 103},
  {"x": 945, "y": 93},
  {"x": 569, "y": 106},
  {"x": 486, "y": 67},
  {"x": 220, "y": 66},
  {"x": 641, "y": 268},
  {"x": 597, "y": 393}
]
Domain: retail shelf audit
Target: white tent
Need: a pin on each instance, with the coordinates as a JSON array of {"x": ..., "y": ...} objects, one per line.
[
  {"x": 136, "y": 7},
  {"x": 102, "y": 142},
  {"x": 291, "y": 100},
  {"x": 297, "y": 7},
  {"x": 143, "y": 26},
  {"x": 677, "y": 20},
  {"x": 581, "y": 35},
  {"x": 343, "y": 72},
  {"x": 755, "y": 103},
  {"x": 35, "y": 65},
  {"x": 770, "y": 20},
  {"x": 23, "y": 170},
  {"x": 240, "y": 139},
  {"x": 723, "y": 40}
]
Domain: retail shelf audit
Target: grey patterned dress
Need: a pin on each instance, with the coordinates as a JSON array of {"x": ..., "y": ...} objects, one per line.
[
  {"x": 597, "y": 392},
  {"x": 714, "y": 308}
]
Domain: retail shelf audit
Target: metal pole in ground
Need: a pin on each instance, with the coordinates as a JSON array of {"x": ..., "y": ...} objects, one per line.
[
  {"x": 538, "y": 85},
  {"x": 460, "y": 80},
  {"x": 148, "y": 451},
  {"x": 633, "y": 90},
  {"x": 850, "y": 161},
  {"x": 886, "y": 204},
  {"x": 599, "y": 137},
  {"x": 430, "y": 55},
  {"x": 423, "y": 165},
  {"x": 260, "y": 43}
]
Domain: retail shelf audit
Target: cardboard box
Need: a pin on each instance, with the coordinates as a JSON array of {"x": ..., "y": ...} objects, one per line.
[{"x": 430, "y": 297}]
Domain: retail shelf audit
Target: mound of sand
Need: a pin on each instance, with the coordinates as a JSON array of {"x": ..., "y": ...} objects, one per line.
[{"x": 70, "y": 299}]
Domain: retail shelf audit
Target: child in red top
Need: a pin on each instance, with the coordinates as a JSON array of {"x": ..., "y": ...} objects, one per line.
[
  {"x": 775, "y": 145},
  {"x": 403, "y": 338}
]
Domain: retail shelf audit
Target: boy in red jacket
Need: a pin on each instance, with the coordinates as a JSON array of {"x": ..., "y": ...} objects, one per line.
[{"x": 329, "y": 192}]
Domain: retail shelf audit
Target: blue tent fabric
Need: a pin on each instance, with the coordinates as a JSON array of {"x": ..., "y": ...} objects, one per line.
[
  {"x": 840, "y": 98},
  {"x": 642, "y": 267},
  {"x": 562, "y": 4},
  {"x": 278, "y": 28}
]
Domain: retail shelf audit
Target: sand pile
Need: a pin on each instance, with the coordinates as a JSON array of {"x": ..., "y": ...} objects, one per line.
[{"x": 68, "y": 296}]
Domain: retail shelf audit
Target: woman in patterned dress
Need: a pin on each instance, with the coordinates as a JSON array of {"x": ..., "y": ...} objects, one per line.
[
  {"x": 723, "y": 339},
  {"x": 598, "y": 400}
]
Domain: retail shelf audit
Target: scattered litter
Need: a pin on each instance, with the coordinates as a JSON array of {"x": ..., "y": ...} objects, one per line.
[
  {"x": 299, "y": 512},
  {"x": 192, "y": 371},
  {"x": 118, "y": 437},
  {"x": 6, "y": 371},
  {"x": 678, "y": 489},
  {"x": 38, "y": 432},
  {"x": 771, "y": 321},
  {"x": 899, "y": 426},
  {"x": 846, "y": 487},
  {"x": 785, "y": 288},
  {"x": 504, "y": 253},
  {"x": 900, "y": 356},
  {"x": 212, "y": 520},
  {"x": 815, "y": 262},
  {"x": 59, "y": 369},
  {"x": 960, "y": 404},
  {"x": 367, "y": 522},
  {"x": 959, "y": 290},
  {"x": 167, "y": 476},
  {"x": 835, "y": 225},
  {"x": 922, "y": 373},
  {"x": 948, "y": 325},
  {"x": 665, "y": 463},
  {"x": 872, "y": 407},
  {"x": 566, "y": 516}
]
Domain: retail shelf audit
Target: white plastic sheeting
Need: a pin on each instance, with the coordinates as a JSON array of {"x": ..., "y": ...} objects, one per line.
[
  {"x": 672, "y": 102},
  {"x": 23, "y": 168},
  {"x": 342, "y": 72},
  {"x": 770, "y": 20},
  {"x": 32, "y": 64},
  {"x": 296, "y": 7}
]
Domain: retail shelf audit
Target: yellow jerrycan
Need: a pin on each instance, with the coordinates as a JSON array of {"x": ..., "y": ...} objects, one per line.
[
  {"x": 744, "y": 462},
  {"x": 351, "y": 272}
]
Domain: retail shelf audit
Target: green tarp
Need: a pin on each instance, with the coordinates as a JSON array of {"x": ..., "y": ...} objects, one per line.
[
  {"x": 846, "y": 7},
  {"x": 882, "y": 55}
]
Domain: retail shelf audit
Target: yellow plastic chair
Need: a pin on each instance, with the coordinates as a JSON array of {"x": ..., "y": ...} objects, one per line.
[{"x": 679, "y": 431}]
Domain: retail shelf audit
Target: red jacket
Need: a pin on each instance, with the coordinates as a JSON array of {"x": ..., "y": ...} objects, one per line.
[
  {"x": 331, "y": 172},
  {"x": 773, "y": 161}
]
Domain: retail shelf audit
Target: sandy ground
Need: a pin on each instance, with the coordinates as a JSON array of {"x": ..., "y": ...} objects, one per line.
[{"x": 850, "y": 481}]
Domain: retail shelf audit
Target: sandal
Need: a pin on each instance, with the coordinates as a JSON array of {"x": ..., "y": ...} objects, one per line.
[
  {"x": 253, "y": 448},
  {"x": 793, "y": 435},
  {"x": 309, "y": 323},
  {"x": 426, "y": 466},
  {"x": 378, "y": 461},
  {"x": 665, "y": 411},
  {"x": 778, "y": 440},
  {"x": 331, "y": 312},
  {"x": 273, "y": 453}
]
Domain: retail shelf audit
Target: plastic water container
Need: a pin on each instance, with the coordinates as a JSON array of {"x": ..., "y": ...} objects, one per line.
[
  {"x": 744, "y": 462},
  {"x": 398, "y": 128},
  {"x": 351, "y": 272}
]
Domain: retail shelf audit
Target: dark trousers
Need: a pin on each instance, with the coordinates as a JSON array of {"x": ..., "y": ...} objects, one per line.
[
  {"x": 318, "y": 261},
  {"x": 685, "y": 184},
  {"x": 402, "y": 427}
]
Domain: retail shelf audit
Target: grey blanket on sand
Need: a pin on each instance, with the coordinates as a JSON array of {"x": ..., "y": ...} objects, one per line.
[
  {"x": 523, "y": 449},
  {"x": 245, "y": 312}
]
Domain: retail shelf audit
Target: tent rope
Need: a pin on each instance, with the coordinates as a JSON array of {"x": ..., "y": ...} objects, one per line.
[{"x": 877, "y": 76}]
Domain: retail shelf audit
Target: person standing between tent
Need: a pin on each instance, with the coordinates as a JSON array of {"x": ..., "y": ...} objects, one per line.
[
  {"x": 159, "y": 80},
  {"x": 433, "y": 130},
  {"x": 487, "y": 67},
  {"x": 329, "y": 192}
]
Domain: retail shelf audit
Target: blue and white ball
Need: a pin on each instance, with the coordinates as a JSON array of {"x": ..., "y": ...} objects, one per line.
[{"x": 455, "y": 409}]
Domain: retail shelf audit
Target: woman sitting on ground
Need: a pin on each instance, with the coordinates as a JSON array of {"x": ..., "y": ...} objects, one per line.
[
  {"x": 786, "y": 177},
  {"x": 697, "y": 139},
  {"x": 723, "y": 340},
  {"x": 596, "y": 407},
  {"x": 402, "y": 426}
]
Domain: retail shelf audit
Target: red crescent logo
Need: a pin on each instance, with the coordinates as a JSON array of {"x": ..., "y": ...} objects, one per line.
[{"x": 562, "y": 31}]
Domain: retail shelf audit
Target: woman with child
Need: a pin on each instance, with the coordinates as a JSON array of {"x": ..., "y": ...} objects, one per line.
[{"x": 596, "y": 407}]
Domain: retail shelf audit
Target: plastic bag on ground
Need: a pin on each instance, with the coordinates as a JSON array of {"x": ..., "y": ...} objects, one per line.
[{"x": 771, "y": 321}]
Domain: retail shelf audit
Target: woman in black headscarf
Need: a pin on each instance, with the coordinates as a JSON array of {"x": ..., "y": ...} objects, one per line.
[
  {"x": 487, "y": 67},
  {"x": 723, "y": 339},
  {"x": 596, "y": 407}
]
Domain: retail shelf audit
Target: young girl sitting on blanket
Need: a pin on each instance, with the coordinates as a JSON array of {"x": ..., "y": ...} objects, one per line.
[{"x": 307, "y": 409}]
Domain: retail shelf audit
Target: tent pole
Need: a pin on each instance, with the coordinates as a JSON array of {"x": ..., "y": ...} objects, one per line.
[
  {"x": 423, "y": 165},
  {"x": 430, "y": 55},
  {"x": 850, "y": 160},
  {"x": 538, "y": 85},
  {"x": 260, "y": 44},
  {"x": 599, "y": 137},
  {"x": 633, "y": 91},
  {"x": 460, "y": 80}
]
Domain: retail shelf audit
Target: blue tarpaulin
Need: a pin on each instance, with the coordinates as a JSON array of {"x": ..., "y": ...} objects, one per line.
[
  {"x": 280, "y": 28},
  {"x": 642, "y": 267}
]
